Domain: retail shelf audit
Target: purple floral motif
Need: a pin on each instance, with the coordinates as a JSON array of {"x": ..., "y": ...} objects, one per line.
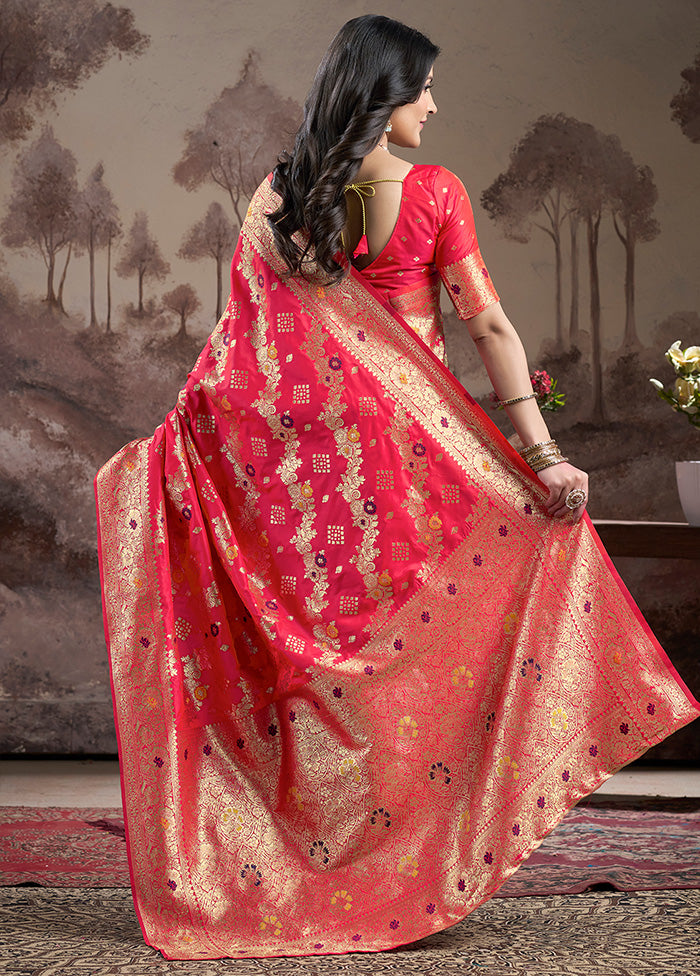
[
  {"x": 271, "y": 604},
  {"x": 214, "y": 630},
  {"x": 394, "y": 924},
  {"x": 540, "y": 802},
  {"x": 316, "y": 705},
  {"x": 272, "y": 729},
  {"x": 370, "y": 507},
  {"x": 261, "y": 281},
  {"x": 158, "y": 761},
  {"x": 356, "y": 937},
  {"x": 587, "y": 606},
  {"x": 187, "y": 513},
  {"x": 419, "y": 449},
  {"x": 456, "y": 289},
  {"x": 516, "y": 829},
  {"x": 624, "y": 728},
  {"x": 207, "y": 750},
  {"x": 361, "y": 335},
  {"x": 444, "y": 422},
  {"x": 651, "y": 708},
  {"x": 286, "y": 420},
  {"x": 502, "y": 530},
  {"x": 565, "y": 775},
  {"x": 172, "y": 885},
  {"x": 250, "y": 470},
  {"x": 451, "y": 589},
  {"x": 484, "y": 273},
  {"x": 292, "y": 716},
  {"x": 133, "y": 523},
  {"x": 398, "y": 644},
  {"x": 477, "y": 560},
  {"x": 318, "y": 945},
  {"x": 369, "y": 669},
  {"x": 320, "y": 559},
  {"x": 430, "y": 908},
  {"x": 240, "y": 743},
  {"x": 593, "y": 751},
  {"x": 335, "y": 363},
  {"x": 461, "y": 885},
  {"x": 528, "y": 508},
  {"x": 488, "y": 857},
  {"x": 187, "y": 752},
  {"x": 337, "y": 692},
  {"x": 144, "y": 642},
  {"x": 425, "y": 617}
]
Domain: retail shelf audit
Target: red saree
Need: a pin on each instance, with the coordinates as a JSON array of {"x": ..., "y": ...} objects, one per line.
[{"x": 358, "y": 672}]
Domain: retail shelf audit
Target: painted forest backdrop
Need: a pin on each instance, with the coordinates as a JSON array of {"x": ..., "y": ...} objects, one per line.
[{"x": 125, "y": 172}]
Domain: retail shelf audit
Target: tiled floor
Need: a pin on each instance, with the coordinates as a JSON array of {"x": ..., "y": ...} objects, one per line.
[{"x": 95, "y": 783}]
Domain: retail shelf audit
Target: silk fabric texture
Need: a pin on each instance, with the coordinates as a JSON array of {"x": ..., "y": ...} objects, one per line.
[{"x": 358, "y": 672}]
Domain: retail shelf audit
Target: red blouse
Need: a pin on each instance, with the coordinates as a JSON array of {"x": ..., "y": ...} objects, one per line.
[{"x": 434, "y": 239}]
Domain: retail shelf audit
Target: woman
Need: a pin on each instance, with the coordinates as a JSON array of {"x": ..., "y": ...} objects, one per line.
[{"x": 364, "y": 655}]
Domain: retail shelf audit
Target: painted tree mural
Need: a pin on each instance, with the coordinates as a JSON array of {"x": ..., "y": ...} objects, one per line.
[
  {"x": 49, "y": 46},
  {"x": 182, "y": 300},
  {"x": 238, "y": 141},
  {"x": 685, "y": 104},
  {"x": 214, "y": 236},
  {"x": 142, "y": 257},
  {"x": 43, "y": 210},
  {"x": 564, "y": 170},
  {"x": 98, "y": 219}
]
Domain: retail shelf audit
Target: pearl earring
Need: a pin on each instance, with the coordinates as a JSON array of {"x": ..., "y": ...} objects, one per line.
[{"x": 389, "y": 127}]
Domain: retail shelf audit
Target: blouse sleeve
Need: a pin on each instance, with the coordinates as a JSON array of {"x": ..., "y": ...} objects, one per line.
[{"x": 457, "y": 254}]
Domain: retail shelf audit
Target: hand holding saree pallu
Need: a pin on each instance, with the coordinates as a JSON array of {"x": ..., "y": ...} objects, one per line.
[{"x": 359, "y": 673}]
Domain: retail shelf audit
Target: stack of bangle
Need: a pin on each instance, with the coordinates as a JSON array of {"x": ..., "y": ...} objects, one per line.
[{"x": 542, "y": 455}]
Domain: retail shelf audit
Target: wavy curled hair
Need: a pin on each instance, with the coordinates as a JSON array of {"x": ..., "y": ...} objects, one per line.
[{"x": 373, "y": 65}]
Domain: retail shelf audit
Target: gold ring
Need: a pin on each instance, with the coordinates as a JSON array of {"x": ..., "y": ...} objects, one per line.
[{"x": 576, "y": 497}]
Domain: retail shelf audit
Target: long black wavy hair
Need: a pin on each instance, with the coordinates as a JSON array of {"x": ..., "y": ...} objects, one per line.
[{"x": 373, "y": 65}]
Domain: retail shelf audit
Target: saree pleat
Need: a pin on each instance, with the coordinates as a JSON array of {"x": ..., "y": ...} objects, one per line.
[{"x": 358, "y": 672}]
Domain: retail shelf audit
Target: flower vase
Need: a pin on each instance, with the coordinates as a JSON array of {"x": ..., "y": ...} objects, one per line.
[{"x": 688, "y": 480}]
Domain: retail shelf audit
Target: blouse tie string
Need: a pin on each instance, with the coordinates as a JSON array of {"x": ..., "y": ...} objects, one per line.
[{"x": 363, "y": 188}]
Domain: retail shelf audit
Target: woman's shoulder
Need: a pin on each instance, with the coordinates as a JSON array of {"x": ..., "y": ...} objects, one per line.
[{"x": 439, "y": 181}]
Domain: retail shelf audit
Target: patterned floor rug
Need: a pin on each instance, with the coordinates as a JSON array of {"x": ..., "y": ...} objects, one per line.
[
  {"x": 612, "y": 846},
  {"x": 84, "y": 932}
]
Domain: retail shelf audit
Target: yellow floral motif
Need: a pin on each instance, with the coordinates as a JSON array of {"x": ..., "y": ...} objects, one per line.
[
  {"x": 617, "y": 658},
  {"x": 342, "y": 898},
  {"x": 273, "y": 922},
  {"x": 353, "y": 435},
  {"x": 384, "y": 579},
  {"x": 231, "y": 553},
  {"x": 272, "y": 352},
  {"x": 561, "y": 555},
  {"x": 510, "y": 624},
  {"x": 462, "y": 672},
  {"x": 559, "y": 720},
  {"x": 408, "y": 865},
  {"x": 435, "y": 522},
  {"x": 294, "y": 796},
  {"x": 332, "y": 631},
  {"x": 233, "y": 818},
  {"x": 201, "y": 692},
  {"x": 165, "y": 823},
  {"x": 408, "y": 727},
  {"x": 349, "y": 767},
  {"x": 306, "y": 489},
  {"x": 507, "y": 765},
  {"x": 465, "y": 822},
  {"x": 486, "y": 465}
]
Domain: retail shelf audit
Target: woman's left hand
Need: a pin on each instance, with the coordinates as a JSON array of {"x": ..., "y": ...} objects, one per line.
[{"x": 561, "y": 479}]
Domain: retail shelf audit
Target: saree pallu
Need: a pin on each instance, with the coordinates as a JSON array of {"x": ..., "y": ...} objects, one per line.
[{"x": 358, "y": 672}]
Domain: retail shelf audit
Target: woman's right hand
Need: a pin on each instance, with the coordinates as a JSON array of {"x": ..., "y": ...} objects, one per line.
[{"x": 561, "y": 479}]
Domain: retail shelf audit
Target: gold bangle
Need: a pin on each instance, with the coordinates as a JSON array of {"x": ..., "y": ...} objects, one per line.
[
  {"x": 512, "y": 400},
  {"x": 526, "y": 451},
  {"x": 548, "y": 464}
]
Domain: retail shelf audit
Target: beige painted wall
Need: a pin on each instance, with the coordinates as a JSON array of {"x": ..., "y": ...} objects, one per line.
[{"x": 67, "y": 404}]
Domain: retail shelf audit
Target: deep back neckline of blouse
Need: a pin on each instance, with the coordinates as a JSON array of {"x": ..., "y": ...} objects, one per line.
[{"x": 412, "y": 171}]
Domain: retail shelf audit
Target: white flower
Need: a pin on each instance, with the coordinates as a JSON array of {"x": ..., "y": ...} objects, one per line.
[{"x": 684, "y": 361}]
